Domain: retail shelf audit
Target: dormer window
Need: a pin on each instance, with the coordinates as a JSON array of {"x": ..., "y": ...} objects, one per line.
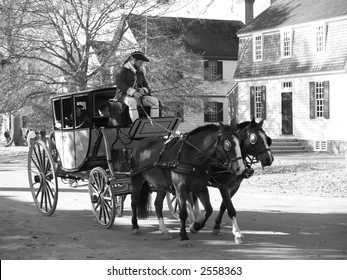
[
  {"x": 286, "y": 43},
  {"x": 258, "y": 47},
  {"x": 320, "y": 34}
]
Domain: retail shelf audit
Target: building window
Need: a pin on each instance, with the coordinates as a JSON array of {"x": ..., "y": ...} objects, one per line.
[
  {"x": 258, "y": 47},
  {"x": 320, "y": 38},
  {"x": 319, "y": 99},
  {"x": 258, "y": 102},
  {"x": 287, "y": 85},
  {"x": 213, "y": 112},
  {"x": 286, "y": 43},
  {"x": 213, "y": 70}
]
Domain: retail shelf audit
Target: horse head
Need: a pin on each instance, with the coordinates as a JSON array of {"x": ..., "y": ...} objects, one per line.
[
  {"x": 256, "y": 143},
  {"x": 228, "y": 148}
]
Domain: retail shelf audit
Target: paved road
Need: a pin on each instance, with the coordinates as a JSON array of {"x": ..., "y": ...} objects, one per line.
[{"x": 277, "y": 227}]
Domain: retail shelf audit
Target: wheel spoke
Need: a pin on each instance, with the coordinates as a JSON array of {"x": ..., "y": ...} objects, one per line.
[
  {"x": 50, "y": 190},
  {"x": 97, "y": 205},
  {"x": 36, "y": 164},
  {"x": 108, "y": 205},
  {"x": 43, "y": 157},
  {"x": 42, "y": 193},
  {"x": 33, "y": 171},
  {"x": 38, "y": 159},
  {"x": 108, "y": 215},
  {"x": 49, "y": 197},
  {"x": 100, "y": 213},
  {"x": 46, "y": 199},
  {"x": 38, "y": 192}
]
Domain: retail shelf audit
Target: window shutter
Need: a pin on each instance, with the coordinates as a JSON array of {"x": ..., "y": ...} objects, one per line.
[
  {"x": 206, "y": 116},
  {"x": 220, "y": 70},
  {"x": 205, "y": 64},
  {"x": 220, "y": 111},
  {"x": 263, "y": 102},
  {"x": 312, "y": 101},
  {"x": 252, "y": 102},
  {"x": 326, "y": 100}
]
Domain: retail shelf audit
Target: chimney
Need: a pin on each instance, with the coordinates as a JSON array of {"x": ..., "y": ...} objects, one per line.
[{"x": 248, "y": 11}]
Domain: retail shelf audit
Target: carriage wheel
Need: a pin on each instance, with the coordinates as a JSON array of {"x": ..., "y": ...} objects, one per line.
[
  {"x": 102, "y": 197},
  {"x": 42, "y": 178},
  {"x": 172, "y": 203}
]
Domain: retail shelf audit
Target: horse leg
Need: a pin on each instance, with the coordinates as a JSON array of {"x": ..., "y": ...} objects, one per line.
[
  {"x": 218, "y": 221},
  {"x": 161, "y": 193},
  {"x": 205, "y": 200},
  {"x": 182, "y": 202},
  {"x": 239, "y": 238},
  {"x": 135, "y": 197}
]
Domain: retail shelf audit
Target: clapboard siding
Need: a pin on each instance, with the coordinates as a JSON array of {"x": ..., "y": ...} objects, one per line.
[
  {"x": 303, "y": 127},
  {"x": 303, "y": 59}
]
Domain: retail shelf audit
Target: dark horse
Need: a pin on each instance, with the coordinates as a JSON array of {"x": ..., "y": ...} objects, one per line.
[
  {"x": 255, "y": 148},
  {"x": 184, "y": 165}
]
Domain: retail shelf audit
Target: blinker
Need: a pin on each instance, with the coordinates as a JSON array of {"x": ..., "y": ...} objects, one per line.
[
  {"x": 252, "y": 138},
  {"x": 227, "y": 145}
]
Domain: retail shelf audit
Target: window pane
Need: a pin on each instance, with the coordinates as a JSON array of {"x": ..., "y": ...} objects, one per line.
[
  {"x": 320, "y": 38},
  {"x": 212, "y": 111},
  {"x": 287, "y": 44},
  {"x": 319, "y": 99},
  {"x": 68, "y": 118},
  {"x": 258, "y": 103},
  {"x": 57, "y": 114},
  {"x": 81, "y": 110},
  {"x": 258, "y": 47}
]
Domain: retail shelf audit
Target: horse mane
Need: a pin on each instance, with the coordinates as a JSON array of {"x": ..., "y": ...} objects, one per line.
[
  {"x": 212, "y": 127},
  {"x": 243, "y": 124}
]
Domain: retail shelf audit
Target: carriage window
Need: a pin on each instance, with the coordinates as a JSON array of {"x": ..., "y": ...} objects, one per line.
[
  {"x": 57, "y": 113},
  {"x": 81, "y": 110},
  {"x": 68, "y": 118}
]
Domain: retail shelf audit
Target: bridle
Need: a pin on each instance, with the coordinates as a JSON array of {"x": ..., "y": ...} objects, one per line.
[
  {"x": 252, "y": 155},
  {"x": 214, "y": 148}
]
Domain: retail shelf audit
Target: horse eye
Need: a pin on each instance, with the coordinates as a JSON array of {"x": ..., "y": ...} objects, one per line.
[
  {"x": 227, "y": 145},
  {"x": 252, "y": 138}
]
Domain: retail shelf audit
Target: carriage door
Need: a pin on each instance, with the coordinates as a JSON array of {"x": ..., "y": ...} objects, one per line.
[
  {"x": 68, "y": 141},
  {"x": 287, "y": 113}
]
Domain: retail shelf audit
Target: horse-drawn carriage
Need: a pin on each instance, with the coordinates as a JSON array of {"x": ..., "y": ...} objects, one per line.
[{"x": 87, "y": 145}]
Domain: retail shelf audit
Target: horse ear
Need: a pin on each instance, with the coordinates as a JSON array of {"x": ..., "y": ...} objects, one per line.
[
  {"x": 253, "y": 123},
  {"x": 261, "y": 123},
  {"x": 221, "y": 125},
  {"x": 233, "y": 124}
]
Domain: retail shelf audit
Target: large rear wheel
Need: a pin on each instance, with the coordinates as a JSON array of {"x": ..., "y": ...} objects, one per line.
[
  {"x": 42, "y": 178},
  {"x": 102, "y": 197}
]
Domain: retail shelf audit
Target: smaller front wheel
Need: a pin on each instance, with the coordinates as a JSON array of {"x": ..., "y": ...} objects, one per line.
[{"x": 102, "y": 197}]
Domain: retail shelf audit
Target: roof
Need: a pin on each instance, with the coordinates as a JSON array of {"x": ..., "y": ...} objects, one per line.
[
  {"x": 86, "y": 91},
  {"x": 290, "y": 12},
  {"x": 210, "y": 38}
]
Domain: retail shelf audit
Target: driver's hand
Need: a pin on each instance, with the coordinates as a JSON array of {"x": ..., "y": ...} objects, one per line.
[{"x": 142, "y": 91}]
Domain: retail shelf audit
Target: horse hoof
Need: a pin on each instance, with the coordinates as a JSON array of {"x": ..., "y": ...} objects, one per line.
[
  {"x": 193, "y": 229},
  {"x": 167, "y": 236},
  {"x": 217, "y": 232},
  {"x": 136, "y": 231},
  {"x": 240, "y": 240}
]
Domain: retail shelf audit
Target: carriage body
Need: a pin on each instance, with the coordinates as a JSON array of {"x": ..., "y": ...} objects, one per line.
[{"x": 86, "y": 145}]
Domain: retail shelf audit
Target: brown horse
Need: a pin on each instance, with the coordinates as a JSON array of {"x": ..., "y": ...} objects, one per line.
[
  {"x": 183, "y": 165},
  {"x": 255, "y": 147}
]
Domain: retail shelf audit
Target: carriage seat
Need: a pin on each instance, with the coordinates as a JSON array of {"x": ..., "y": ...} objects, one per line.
[{"x": 119, "y": 113}]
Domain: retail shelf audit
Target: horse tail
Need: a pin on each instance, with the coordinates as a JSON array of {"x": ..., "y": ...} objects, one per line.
[{"x": 144, "y": 206}]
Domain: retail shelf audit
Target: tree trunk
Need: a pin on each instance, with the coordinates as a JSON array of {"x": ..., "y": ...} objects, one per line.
[{"x": 16, "y": 133}]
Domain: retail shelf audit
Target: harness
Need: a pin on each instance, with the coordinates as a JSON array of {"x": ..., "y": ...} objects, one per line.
[{"x": 187, "y": 168}]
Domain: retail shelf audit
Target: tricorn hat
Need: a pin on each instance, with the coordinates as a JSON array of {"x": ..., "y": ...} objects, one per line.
[{"x": 139, "y": 56}]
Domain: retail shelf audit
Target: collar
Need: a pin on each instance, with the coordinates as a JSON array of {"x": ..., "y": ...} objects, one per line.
[{"x": 129, "y": 66}]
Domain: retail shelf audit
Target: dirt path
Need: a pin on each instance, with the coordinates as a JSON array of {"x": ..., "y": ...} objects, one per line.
[{"x": 277, "y": 227}]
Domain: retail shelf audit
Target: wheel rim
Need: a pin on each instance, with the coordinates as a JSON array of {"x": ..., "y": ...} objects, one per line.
[
  {"x": 42, "y": 178},
  {"x": 102, "y": 197}
]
